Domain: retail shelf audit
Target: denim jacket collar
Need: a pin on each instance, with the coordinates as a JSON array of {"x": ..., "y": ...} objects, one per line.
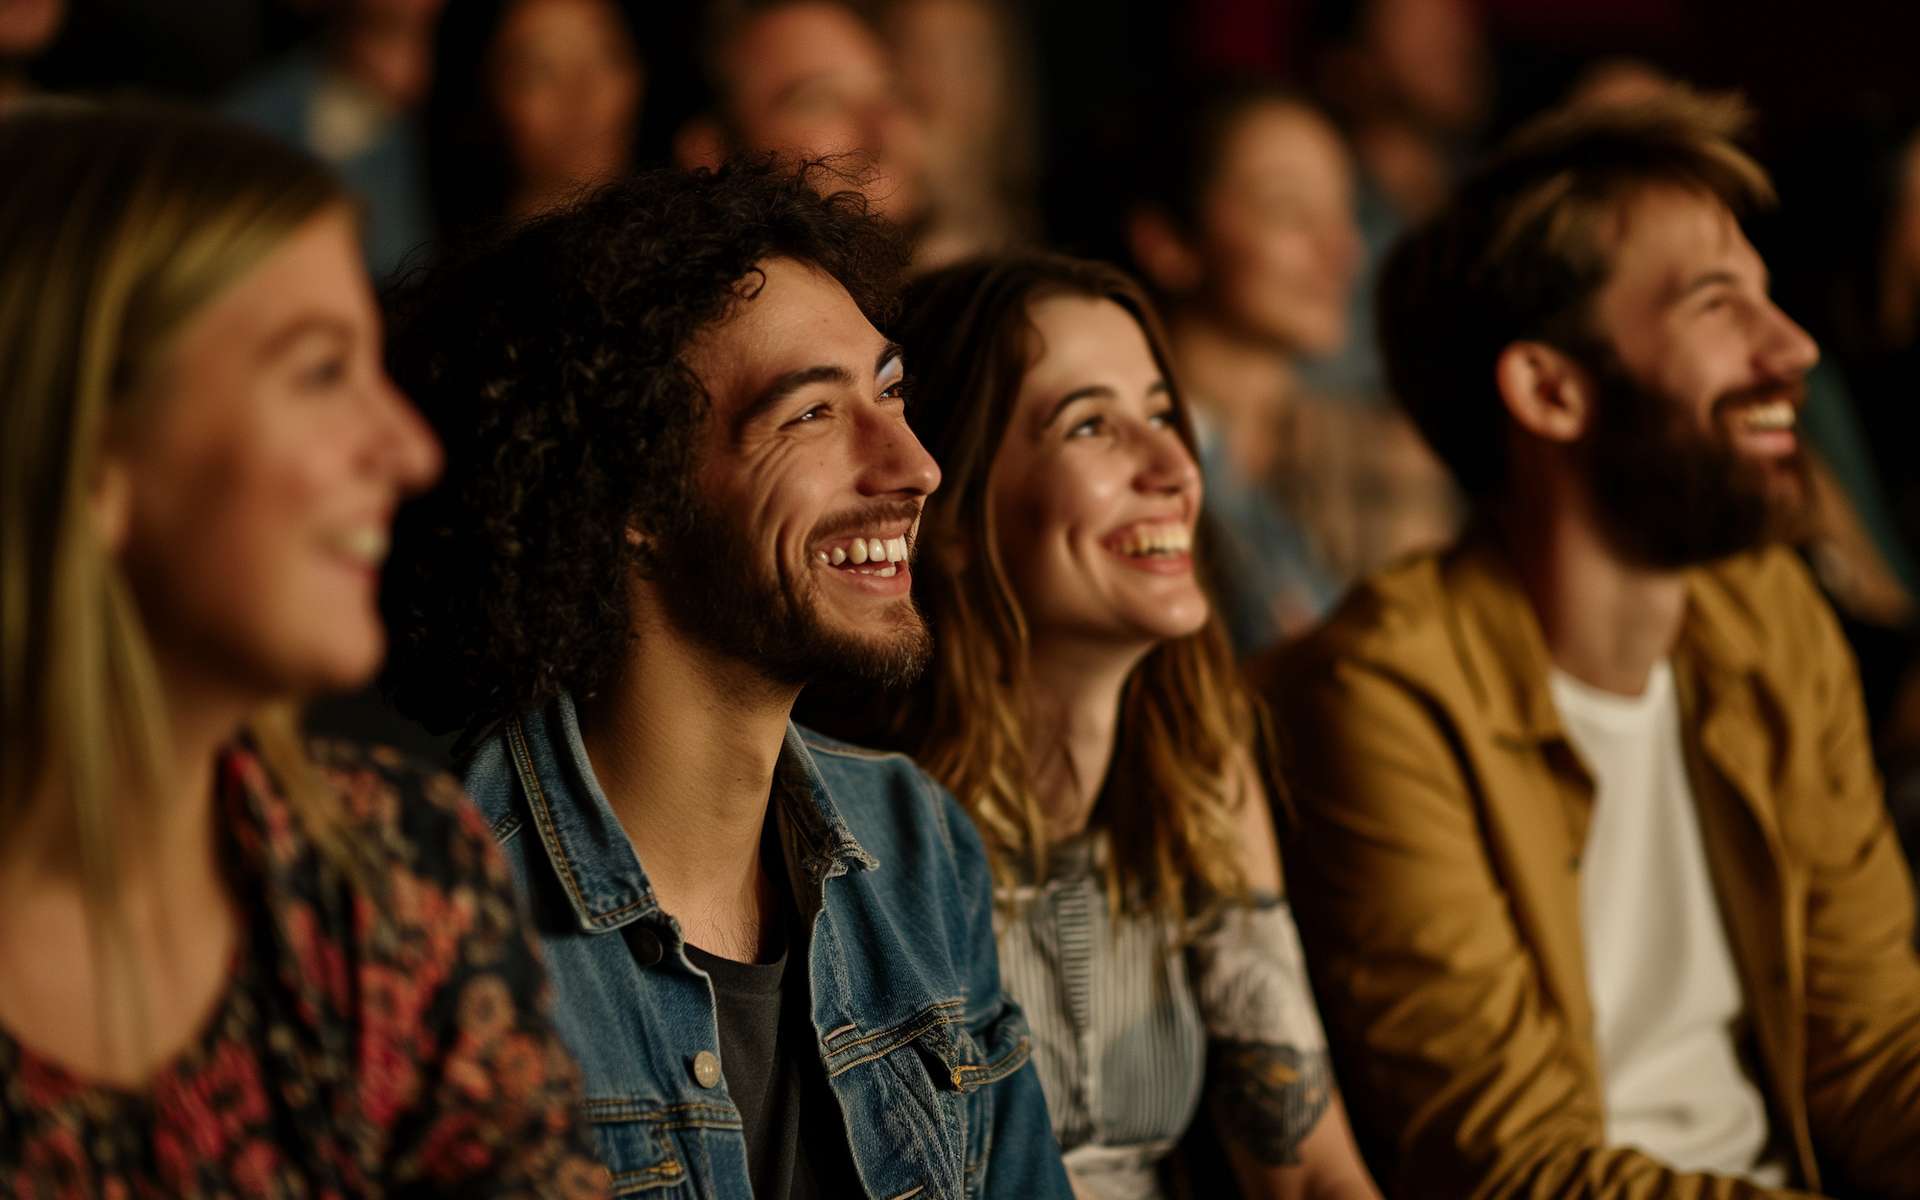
[{"x": 590, "y": 851}]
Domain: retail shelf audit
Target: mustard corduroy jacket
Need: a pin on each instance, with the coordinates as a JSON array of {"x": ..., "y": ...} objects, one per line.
[{"x": 1433, "y": 845}]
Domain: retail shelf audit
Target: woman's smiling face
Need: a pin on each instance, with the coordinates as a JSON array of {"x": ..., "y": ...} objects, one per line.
[{"x": 1094, "y": 492}]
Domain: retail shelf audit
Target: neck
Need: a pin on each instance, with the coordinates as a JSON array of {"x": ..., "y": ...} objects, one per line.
[
  {"x": 1607, "y": 622},
  {"x": 1073, "y": 720},
  {"x": 1229, "y": 372},
  {"x": 684, "y": 745}
]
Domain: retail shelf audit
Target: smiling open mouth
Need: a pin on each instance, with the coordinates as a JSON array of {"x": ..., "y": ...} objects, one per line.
[
  {"x": 883, "y": 557},
  {"x": 1168, "y": 539}
]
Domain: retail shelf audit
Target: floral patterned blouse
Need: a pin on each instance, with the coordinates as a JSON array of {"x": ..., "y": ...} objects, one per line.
[{"x": 386, "y": 1038}]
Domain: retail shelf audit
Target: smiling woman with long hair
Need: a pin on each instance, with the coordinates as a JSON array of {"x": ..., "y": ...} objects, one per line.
[
  {"x": 1083, "y": 706},
  {"x": 228, "y": 963}
]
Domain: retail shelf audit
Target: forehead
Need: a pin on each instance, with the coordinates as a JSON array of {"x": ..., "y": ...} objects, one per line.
[
  {"x": 1664, "y": 238},
  {"x": 314, "y": 272},
  {"x": 798, "y": 42},
  {"x": 793, "y": 316},
  {"x": 1283, "y": 142},
  {"x": 1083, "y": 340}
]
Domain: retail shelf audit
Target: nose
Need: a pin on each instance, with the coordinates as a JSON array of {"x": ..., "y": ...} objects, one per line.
[
  {"x": 893, "y": 462},
  {"x": 1166, "y": 465},
  {"x": 406, "y": 446},
  {"x": 1787, "y": 351}
]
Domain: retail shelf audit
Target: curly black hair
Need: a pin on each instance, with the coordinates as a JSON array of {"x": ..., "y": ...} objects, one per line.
[{"x": 549, "y": 360}]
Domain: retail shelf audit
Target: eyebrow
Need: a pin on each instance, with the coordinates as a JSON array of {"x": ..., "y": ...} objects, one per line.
[
  {"x": 786, "y": 385},
  {"x": 282, "y": 339},
  {"x": 1098, "y": 391}
]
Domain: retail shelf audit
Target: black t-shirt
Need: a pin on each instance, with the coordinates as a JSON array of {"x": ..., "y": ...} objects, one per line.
[{"x": 796, "y": 1145}]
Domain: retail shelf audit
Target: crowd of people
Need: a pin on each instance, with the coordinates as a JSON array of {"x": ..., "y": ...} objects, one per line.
[{"x": 597, "y": 612}]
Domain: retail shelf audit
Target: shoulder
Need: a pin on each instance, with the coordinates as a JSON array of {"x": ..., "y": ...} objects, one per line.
[
  {"x": 396, "y": 808},
  {"x": 889, "y": 801},
  {"x": 1397, "y": 621},
  {"x": 1767, "y": 599}
]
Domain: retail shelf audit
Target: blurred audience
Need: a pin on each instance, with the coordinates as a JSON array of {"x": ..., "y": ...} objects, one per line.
[
  {"x": 349, "y": 100},
  {"x": 1084, "y": 706},
  {"x": 965, "y": 70},
  {"x": 1589, "y": 851},
  {"x": 534, "y": 102},
  {"x": 808, "y": 80},
  {"x": 26, "y": 29},
  {"x": 233, "y": 963}
]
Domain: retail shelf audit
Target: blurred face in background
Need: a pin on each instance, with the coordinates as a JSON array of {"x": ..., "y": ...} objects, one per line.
[
  {"x": 1093, "y": 491},
  {"x": 251, "y": 486},
  {"x": 567, "y": 81},
  {"x": 811, "y": 80},
  {"x": 1431, "y": 59},
  {"x": 26, "y": 26},
  {"x": 1276, "y": 240}
]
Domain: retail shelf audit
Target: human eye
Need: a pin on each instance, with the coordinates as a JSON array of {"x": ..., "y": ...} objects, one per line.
[
  {"x": 323, "y": 373},
  {"x": 813, "y": 415},
  {"x": 897, "y": 390},
  {"x": 1092, "y": 426},
  {"x": 1164, "y": 419}
]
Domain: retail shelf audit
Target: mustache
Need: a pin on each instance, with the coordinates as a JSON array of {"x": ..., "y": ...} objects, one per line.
[{"x": 860, "y": 520}]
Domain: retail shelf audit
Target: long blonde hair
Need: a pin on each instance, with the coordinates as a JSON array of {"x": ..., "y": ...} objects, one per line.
[
  {"x": 1189, "y": 732},
  {"x": 116, "y": 226}
]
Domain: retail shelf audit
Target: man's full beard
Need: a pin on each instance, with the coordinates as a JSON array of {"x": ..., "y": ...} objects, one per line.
[
  {"x": 1670, "y": 495},
  {"x": 717, "y": 595}
]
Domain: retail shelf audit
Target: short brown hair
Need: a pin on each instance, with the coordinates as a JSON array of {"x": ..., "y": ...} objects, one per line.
[{"x": 1522, "y": 247}]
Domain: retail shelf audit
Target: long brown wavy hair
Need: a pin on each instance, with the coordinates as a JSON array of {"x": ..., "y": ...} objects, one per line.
[{"x": 1189, "y": 732}]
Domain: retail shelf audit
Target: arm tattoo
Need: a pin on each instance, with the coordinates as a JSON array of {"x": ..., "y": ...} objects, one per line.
[{"x": 1268, "y": 1097}]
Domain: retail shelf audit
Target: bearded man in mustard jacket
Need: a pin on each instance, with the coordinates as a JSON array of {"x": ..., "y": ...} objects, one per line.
[{"x": 1588, "y": 848}]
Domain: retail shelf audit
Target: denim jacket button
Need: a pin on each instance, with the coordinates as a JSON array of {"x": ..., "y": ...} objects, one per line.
[
  {"x": 706, "y": 1068},
  {"x": 643, "y": 944}
]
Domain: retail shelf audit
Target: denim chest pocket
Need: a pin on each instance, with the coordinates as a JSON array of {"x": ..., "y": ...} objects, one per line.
[
  {"x": 931, "y": 1109},
  {"x": 636, "y": 1142}
]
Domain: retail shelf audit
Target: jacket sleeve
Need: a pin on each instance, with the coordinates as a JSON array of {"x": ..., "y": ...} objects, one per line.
[
  {"x": 1011, "y": 1149},
  {"x": 1862, "y": 977},
  {"x": 1462, "y": 1074}
]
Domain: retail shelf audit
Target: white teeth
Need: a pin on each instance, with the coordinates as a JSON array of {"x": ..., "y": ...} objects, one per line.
[
  {"x": 897, "y": 549},
  {"x": 1158, "y": 539},
  {"x": 888, "y": 571},
  {"x": 857, "y": 552},
  {"x": 367, "y": 543},
  {"x": 1777, "y": 415},
  {"x": 839, "y": 556},
  {"x": 876, "y": 550},
  {"x": 822, "y": 556}
]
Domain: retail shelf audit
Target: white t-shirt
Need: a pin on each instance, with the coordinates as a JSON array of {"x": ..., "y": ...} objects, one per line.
[{"x": 1666, "y": 994}]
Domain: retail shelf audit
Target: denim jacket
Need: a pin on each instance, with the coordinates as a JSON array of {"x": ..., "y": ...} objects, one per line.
[{"x": 926, "y": 1054}]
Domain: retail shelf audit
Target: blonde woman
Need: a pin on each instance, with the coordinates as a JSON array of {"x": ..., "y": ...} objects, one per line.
[
  {"x": 227, "y": 966},
  {"x": 1082, "y": 705}
]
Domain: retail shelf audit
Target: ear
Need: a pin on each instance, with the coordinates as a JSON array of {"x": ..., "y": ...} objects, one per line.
[
  {"x": 699, "y": 144},
  {"x": 1163, "y": 255},
  {"x": 110, "y": 504},
  {"x": 1547, "y": 393}
]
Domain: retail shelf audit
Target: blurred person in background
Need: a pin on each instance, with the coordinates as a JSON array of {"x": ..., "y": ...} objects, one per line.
[
  {"x": 350, "y": 101},
  {"x": 809, "y": 80},
  {"x": 26, "y": 29},
  {"x": 1241, "y": 217},
  {"x": 229, "y": 962},
  {"x": 1591, "y": 859},
  {"x": 1411, "y": 82},
  {"x": 534, "y": 102},
  {"x": 1084, "y": 706},
  {"x": 681, "y": 489},
  {"x": 965, "y": 69}
]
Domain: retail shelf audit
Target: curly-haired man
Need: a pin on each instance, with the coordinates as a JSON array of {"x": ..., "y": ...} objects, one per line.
[{"x": 681, "y": 485}]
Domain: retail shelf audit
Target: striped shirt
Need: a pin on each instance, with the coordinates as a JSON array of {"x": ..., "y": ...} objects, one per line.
[{"x": 1122, "y": 1014}]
